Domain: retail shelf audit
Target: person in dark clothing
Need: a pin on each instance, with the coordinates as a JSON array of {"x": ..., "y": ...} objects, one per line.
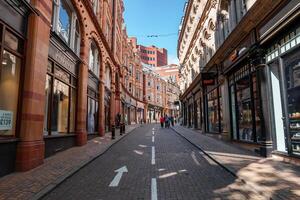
[
  {"x": 167, "y": 122},
  {"x": 172, "y": 120}
]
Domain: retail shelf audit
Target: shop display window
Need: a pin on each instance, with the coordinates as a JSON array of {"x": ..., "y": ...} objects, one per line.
[
  {"x": 60, "y": 103},
  {"x": 10, "y": 70},
  {"x": 245, "y": 105},
  {"x": 92, "y": 112},
  {"x": 293, "y": 94},
  {"x": 213, "y": 111}
]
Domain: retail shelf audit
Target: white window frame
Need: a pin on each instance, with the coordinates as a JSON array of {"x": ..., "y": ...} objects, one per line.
[{"x": 55, "y": 21}]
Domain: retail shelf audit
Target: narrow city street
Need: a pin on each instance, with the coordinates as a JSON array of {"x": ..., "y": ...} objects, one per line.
[{"x": 160, "y": 164}]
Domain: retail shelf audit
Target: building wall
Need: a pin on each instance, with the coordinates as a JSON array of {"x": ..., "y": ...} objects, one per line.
[{"x": 153, "y": 56}]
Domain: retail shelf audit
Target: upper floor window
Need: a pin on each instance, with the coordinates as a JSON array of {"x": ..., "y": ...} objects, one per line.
[
  {"x": 94, "y": 59},
  {"x": 95, "y": 6},
  {"x": 130, "y": 70},
  {"x": 65, "y": 23}
]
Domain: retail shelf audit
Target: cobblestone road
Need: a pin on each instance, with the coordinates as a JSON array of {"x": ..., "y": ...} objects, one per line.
[{"x": 179, "y": 169}]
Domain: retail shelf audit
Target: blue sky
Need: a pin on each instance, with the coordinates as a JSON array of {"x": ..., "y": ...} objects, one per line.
[{"x": 154, "y": 17}]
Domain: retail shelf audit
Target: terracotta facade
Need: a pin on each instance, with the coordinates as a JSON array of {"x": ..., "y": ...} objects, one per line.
[{"x": 80, "y": 76}]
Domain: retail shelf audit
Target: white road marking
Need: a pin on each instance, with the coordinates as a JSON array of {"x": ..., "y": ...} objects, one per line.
[
  {"x": 194, "y": 158},
  {"x": 115, "y": 182},
  {"x": 208, "y": 159},
  {"x": 168, "y": 175},
  {"x": 153, "y": 139},
  {"x": 153, "y": 156},
  {"x": 152, "y": 132},
  {"x": 153, "y": 189}
]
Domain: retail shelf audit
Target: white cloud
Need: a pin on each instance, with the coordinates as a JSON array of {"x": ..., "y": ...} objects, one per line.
[{"x": 173, "y": 59}]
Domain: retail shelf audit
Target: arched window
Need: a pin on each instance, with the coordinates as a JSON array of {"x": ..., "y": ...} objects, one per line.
[
  {"x": 95, "y": 4},
  {"x": 94, "y": 59},
  {"x": 107, "y": 78},
  {"x": 65, "y": 24}
]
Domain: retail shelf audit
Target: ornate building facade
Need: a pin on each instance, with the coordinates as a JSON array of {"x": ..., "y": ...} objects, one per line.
[
  {"x": 68, "y": 71},
  {"x": 247, "y": 52}
]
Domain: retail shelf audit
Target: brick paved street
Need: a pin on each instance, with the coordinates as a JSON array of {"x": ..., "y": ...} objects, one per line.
[
  {"x": 270, "y": 177},
  {"x": 181, "y": 172},
  {"x": 32, "y": 184}
]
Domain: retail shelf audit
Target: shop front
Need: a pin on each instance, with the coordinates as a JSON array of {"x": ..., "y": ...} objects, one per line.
[
  {"x": 212, "y": 101},
  {"x": 107, "y": 99},
  {"x": 140, "y": 112},
  {"x": 283, "y": 66},
  {"x": 93, "y": 105},
  {"x": 60, "y": 98},
  {"x": 13, "y": 29},
  {"x": 190, "y": 112},
  {"x": 245, "y": 104},
  {"x": 198, "y": 110}
]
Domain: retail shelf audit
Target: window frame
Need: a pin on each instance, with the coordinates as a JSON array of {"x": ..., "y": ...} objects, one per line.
[{"x": 74, "y": 21}]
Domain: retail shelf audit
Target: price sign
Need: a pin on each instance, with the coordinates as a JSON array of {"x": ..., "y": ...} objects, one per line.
[{"x": 6, "y": 120}]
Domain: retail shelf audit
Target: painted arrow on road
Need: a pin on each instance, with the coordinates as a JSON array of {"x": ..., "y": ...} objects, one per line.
[{"x": 115, "y": 182}]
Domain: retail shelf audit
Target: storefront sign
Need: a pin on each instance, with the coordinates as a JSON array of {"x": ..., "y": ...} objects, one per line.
[
  {"x": 208, "y": 78},
  {"x": 6, "y": 120},
  {"x": 61, "y": 58}
]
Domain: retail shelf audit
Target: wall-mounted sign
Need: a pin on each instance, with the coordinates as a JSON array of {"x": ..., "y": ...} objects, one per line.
[{"x": 6, "y": 120}]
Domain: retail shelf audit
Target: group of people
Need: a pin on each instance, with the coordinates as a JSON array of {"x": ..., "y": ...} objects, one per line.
[{"x": 166, "y": 121}]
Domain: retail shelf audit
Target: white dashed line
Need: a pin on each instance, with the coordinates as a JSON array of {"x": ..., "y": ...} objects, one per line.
[
  {"x": 194, "y": 158},
  {"x": 153, "y": 139},
  {"x": 153, "y": 156},
  {"x": 153, "y": 189}
]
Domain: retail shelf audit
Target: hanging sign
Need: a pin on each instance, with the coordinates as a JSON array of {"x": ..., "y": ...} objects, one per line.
[{"x": 6, "y": 120}]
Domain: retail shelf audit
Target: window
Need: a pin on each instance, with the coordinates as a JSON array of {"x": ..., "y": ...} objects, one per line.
[
  {"x": 60, "y": 104},
  {"x": 130, "y": 87},
  {"x": 94, "y": 59},
  {"x": 95, "y": 6},
  {"x": 65, "y": 24},
  {"x": 92, "y": 111},
  {"x": 10, "y": 69},
  {"x": 130, "y": 70}
]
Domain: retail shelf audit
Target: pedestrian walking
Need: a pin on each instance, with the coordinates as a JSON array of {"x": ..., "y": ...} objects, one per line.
[
  {"x": 172, "y": 120},
  {"x": 167, "y": 121},
  {"x": 162, "y": 121}
]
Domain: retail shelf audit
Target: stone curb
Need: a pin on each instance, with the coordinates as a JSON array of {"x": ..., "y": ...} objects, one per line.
[{"x": 61, "y": 179}]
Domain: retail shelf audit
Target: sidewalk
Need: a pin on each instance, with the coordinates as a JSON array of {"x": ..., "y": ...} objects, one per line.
[
  {"x": 269, "y": 178},
  {"x": 38, "y": 181}
]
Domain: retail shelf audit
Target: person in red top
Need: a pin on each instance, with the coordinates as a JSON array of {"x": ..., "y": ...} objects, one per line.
[{"x": 162, "y": 121}]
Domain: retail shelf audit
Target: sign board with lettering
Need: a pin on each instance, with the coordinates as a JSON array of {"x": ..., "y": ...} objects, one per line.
[{"x": 6, "y": 120}]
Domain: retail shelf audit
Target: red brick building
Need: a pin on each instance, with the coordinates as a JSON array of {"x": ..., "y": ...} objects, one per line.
[
  {"x": 153, "y": 55},
  {"x": 67, "y": 69}
]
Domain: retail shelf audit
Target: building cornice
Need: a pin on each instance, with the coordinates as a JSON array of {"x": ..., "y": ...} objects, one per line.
[
  {"x": 208, "y": 6},
  {"x": 185, "y": 19}
]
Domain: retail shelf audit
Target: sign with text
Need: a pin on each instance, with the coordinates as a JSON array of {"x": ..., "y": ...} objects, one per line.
[{"x": 6, "y": 120}]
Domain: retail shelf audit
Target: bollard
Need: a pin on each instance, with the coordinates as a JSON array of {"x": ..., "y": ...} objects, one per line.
[
  {"x": 121, "y": 128},
  {"x": 113, "y": 134}
]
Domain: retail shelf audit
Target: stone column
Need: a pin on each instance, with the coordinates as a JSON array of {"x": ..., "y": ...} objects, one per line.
[
  {"x": 81, "y": 132},
  {"x": 31, "y": 148},
  {"x": 112, "y": 104},
  {"x": 145, "y": 113},
  {"x": 101, "y": 116}
]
